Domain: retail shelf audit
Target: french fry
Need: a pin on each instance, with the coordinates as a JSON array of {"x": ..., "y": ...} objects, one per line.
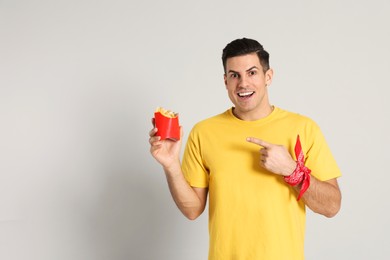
[{"x": 166, "y": 112}]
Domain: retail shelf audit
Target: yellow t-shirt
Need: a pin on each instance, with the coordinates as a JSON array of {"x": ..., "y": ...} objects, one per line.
[{"x": 253, "y": 214}]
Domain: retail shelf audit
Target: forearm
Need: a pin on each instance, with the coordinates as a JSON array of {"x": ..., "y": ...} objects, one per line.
[
  {"x": 323, "y": 197},
  {"x": 183, "y": 194}
]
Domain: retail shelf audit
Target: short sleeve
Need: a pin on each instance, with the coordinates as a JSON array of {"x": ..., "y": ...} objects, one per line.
[
  {"x": 318, "y": 155},
  {"x": 194, "y": 170}
]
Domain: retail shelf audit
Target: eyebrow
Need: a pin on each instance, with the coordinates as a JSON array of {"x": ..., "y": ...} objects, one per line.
[
  {"x": 251, "y": 68},
  {"x": 254, "y": 67}
]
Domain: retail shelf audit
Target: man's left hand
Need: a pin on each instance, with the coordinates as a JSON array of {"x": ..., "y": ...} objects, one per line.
[{"x": 274, "y": 158}]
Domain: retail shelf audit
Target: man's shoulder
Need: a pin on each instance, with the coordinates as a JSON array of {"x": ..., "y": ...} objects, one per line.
[
  {"x": 287, "y": 115},
  {"x": 215, "y": 119},
  {"x": 211, "y": 123}
]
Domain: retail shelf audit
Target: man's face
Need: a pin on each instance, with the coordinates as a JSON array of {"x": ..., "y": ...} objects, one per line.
[{"x": 246, "y": 84}]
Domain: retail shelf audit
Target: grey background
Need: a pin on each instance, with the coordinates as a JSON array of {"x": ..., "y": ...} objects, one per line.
[{"x": 79, "y": 81}]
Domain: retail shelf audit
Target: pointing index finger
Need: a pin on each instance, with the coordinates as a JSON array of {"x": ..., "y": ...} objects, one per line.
[{"x": 258, "y": 142}]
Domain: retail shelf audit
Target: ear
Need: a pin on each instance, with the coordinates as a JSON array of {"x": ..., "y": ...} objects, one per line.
[
  {"x": 269, "y": 74},
  {"x": 225, "y": 80}
]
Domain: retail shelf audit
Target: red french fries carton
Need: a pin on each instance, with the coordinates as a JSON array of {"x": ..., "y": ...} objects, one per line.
[{"x": 167, "y": 123}]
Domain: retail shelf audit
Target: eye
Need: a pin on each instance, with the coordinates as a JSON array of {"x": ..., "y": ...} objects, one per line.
[
  {"x": 234, "y": 75},
  {"x": 252, "y": 72}
]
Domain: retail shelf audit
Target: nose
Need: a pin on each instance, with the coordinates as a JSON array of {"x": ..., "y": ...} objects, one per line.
[{"x": 243, "y": 83}]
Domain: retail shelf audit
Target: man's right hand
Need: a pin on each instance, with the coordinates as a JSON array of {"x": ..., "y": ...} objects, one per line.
[
  {"x": 166, "y": 152},
  {"x": 190, "y": 200}
]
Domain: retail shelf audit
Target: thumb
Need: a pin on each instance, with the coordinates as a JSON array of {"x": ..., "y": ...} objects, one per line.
[{"x": 259, "y": 142}]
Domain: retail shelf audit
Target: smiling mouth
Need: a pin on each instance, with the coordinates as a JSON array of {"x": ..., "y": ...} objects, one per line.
[{"x": 245, "y": 94}]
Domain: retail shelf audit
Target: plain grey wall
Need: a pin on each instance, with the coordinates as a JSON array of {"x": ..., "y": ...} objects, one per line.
[{"x": 79, "y": 81}]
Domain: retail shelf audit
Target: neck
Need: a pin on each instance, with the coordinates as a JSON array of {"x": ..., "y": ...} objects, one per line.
[{"x": 254, "y": 115}]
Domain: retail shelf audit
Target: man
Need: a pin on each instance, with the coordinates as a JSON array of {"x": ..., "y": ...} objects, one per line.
[{"x": 253, "y": 208}]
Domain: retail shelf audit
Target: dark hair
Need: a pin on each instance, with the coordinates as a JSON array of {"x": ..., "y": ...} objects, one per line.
[{"x": 245, "y": 46}]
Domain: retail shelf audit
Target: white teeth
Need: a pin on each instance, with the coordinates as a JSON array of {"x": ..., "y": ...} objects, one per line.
[{"x": 244, "y": 94}]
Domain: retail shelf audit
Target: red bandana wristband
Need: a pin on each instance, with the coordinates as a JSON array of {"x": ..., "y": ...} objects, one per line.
[{"x": 301, "y": 173}]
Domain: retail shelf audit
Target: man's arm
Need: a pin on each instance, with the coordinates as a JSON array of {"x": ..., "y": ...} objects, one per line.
[
  {"x": 323, "y": 197},
  {"x": 190, "y": 200}
]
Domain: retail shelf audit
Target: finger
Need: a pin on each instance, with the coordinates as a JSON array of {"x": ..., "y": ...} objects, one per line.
[
  {"x": 262, "y": 162},
  {"x": 154, "y": 140},
  {"x": 153, "y": 122},
  {"x": 153, "y": 132},
  {"x": 259, "y": 142},
  {"x": 154, "y": 149}
]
